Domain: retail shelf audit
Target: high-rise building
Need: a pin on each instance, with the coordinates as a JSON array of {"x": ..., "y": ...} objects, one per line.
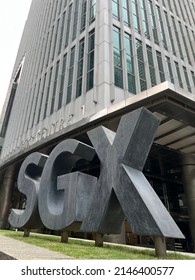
[{"x": 86, "y": 63}]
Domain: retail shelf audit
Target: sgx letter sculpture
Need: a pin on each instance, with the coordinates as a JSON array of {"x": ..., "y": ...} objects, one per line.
[
  {"x": 67, "y": 200},
  {"x": 122, "y": 189}
]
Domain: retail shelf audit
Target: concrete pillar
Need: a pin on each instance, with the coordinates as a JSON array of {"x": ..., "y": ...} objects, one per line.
[
  {"x": 64, "y": 236},
  {"x": 5, "y": 195},
  {"x": 26, "y": 232},
  {"x": 188, "y": 172},
  {"x": 160, "y": 246},
  {"x": 99, "y": 240}
]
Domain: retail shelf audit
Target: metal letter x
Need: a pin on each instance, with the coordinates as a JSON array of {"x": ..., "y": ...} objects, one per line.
[{"x": 122, "y": 190}]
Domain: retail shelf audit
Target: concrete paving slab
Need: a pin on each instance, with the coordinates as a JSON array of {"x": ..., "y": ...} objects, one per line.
[{"x": 15, "y": 249}]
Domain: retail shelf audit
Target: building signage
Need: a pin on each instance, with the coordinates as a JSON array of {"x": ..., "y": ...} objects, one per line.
[{"x": 63, "y": 199}]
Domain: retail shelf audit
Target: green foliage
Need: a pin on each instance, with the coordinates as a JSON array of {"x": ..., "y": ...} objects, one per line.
[{"x": 83, "y": 249}]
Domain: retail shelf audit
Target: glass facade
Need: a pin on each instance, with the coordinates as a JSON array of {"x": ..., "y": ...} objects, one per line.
[
  {"x": 56, "y": 41},
  {"x": 166, "y": 34}
]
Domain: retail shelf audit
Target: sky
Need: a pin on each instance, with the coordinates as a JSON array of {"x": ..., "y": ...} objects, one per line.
[{"x": 13, "y": 15}]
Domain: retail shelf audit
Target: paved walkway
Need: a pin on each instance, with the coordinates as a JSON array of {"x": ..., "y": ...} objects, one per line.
[{"x": 14, "y": 249}]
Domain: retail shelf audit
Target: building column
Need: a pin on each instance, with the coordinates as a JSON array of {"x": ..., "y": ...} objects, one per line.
[
  {"x": 5, "y": 195},
  {"x": 103, "y": 92},
  {"x": 188, "y": 172}
]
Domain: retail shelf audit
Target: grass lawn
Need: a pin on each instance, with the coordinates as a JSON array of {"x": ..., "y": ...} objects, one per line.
[{"x": 82, "y": 249}]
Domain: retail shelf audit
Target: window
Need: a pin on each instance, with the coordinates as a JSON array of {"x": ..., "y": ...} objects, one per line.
[
  {"x": 176, "y": 7},
  {"x": 169, "y": 69},
  {"x": 151, "y": 66},
  {"x": 181, "y": 9},
  {"x": 169, "y": 4},
  {"x": 141, "y": 66},
  {"x": 43, "y": 53},
  {"x": 36, "y": 102},
  {"x": 170, "y": 34},
  {"x": 55, "y": 39},
  {"x": 65, "y": 3},
  {"x": 61, "y": 33},
  {"x": 135, "y": 16},
  {"x": 49, "y": 44},
  {"x": 144, "y": 19},
  {"x": 126, "y": 12},
  {"x": 162, "y": 33},
  {"x": 80, "y": 68},
  {"x": 184, "y": 41},
  {"x": 76, "y": 14},
  {"x": 60, "y": 7},
  {"x": 187, "y": 79},
  {"x": 90, "y": 60},
  {"x": 62, "y": 79},
  {"x": 55, "y": 9},
  {"x": 190, "y": 16},
  {"x": 92, "y": 10},
  {"x": 41, "y": 100},
  {"x": 118, "y": 67},
  {"x": 115, "y": 9},
  {"x": 83, "y": 15},
  {"x": 29, "y": 108},
  {"x": 68, "y": 26},
  {"x": 54, "y": 88},
  {"x": 130, "y": 64},
  {"x": 153, "y": 22},
  {"x": 71, "y": 73},
  {"x": 190, "y": 42},
  {"x": 47, "y": 93},
  {"x": 160, "y": 67},
  {"x": 177, "y": 38},
  {"x": 193, "y": 77},
  {"x": 178, "y": 74}
]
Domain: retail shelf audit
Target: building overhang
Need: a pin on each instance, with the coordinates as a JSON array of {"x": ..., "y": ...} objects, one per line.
[
  {"x": 177, "y": 128},
  {"x": 175, "y": 108}
]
